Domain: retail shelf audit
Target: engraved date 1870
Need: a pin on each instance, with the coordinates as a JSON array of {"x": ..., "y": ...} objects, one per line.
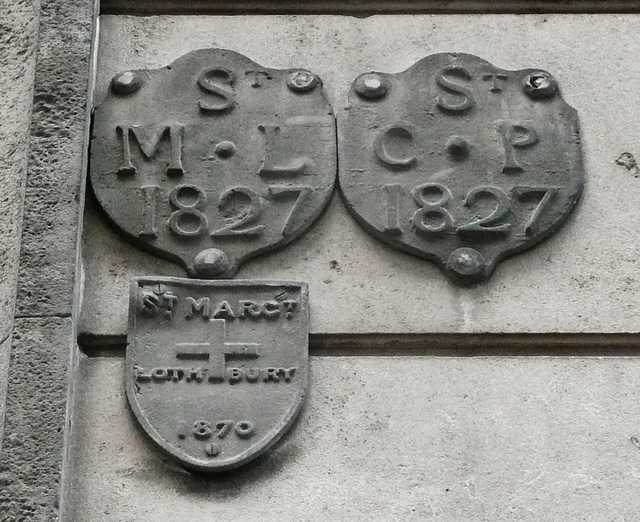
[{"x": 204, "y": 431}]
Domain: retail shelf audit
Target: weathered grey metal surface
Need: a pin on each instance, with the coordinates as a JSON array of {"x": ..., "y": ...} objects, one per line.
[
  {"x": 460, "y": 162},
  {"x": 214, "y": 158},
  {"x": 216, "y": 370}
]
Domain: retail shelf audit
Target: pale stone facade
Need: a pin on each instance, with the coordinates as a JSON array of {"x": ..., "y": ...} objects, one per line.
[{"x": 513, "y": 400}]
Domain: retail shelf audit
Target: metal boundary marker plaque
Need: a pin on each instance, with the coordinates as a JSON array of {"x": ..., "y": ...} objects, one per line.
[
  {"x": 209, "y": 161},
  {"x": 213, "y": 159},
  {"x": 460, "y": 162},
  {"x": 216, "y": 371}
]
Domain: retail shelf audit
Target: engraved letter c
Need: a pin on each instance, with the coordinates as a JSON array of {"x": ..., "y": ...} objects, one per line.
[{"x": 396, "y": 134}]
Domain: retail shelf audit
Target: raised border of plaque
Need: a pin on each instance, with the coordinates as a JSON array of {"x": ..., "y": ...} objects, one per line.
[
  {"x": 460, "y": 162},
  {"x": 216, "y": 371}
]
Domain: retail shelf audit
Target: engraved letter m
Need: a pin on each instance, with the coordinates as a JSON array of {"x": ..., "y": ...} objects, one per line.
[{"x": 149, "y": 146}]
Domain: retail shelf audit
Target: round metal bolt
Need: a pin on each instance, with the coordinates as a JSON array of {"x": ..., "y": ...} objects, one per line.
[
  {"x": 371, "y": 86},
  {"x": 225, "y": 149},
  {"x": 211, "y": 449},
  {"x": 467, "y": 263},
  {"x": 302, "y": 81},
  {"x": 126, "y": 82},
  {"x": 458, "y": 147},
  {"x": 280, "y": 294},
  {"x": 211, "y": 263},
  {"x": 540, "y": 85},
  {"x": 159, "y": 289}
]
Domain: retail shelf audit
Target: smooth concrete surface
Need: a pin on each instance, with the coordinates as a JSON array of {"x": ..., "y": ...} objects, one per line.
[
  {"x": 390, "y": 438},
  {"x": 584, "y": 279}
]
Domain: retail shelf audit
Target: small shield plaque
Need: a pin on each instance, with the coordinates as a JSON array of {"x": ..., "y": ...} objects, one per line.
[
  {"x": 216, "y": 371},
  {"x": 460, "y": 162},
  {"x": 214, "y": 158}
]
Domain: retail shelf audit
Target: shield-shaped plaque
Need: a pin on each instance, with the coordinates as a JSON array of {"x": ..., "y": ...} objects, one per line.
[
  {"x": 460, "y": 162},
  {"x": 214, "y": 158},
  {"x": 216, "y": 371}
]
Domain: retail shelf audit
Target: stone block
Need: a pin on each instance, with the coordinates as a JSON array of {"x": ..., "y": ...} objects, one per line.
[
  {"x": 582, "y": 280},
  {"x": 57, "y": 148},
  {"x": 389, "y": 438},
  {"x": 5, "y": 351},
  {"x": 31, "y": 452},
  {"x": 17, "y": 62}
]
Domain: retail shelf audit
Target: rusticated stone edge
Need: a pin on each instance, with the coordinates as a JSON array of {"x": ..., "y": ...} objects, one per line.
[
  {"x": 19, "y": 27},
  {"x": 34, "y": 430},
  {"x": 55, "y": 176},
  {"x": 43, "y": 351}
]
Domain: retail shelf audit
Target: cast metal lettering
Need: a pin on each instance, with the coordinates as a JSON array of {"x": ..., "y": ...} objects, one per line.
[
  {"x": 239, "y": 210},
  {"x": 301, "y": 196},
  {"x": 433, "y": 216},
  {"x": 515, "y": 135},
  {"x": 258, "y": 78},
  {"x": 219, "y": 83},
  {"x": 240, "y": 309},
  {"x": 278, "y": 160},
  {"x": 156, "y": 301},
  {"x": 149, "y": 194},
  {"x": 484, "y": 163},
  {"x": 445, "y": 81},
  {"x": 236, "y": 160},
  {"x": 216, "y": 370},
  {"x": 241, "y": 222},
  {"x": 398, "y": 134},
  {"x": 149, "y": 144},
  {"x": 190, "y": 212}
]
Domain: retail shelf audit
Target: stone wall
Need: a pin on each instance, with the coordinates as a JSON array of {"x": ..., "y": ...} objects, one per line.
[
  {"x": 43, "y": 348},
  {"x": 515, "y": 399},
  {"x": 580, "y": 281},
  {"x": 18, "y": 26}
]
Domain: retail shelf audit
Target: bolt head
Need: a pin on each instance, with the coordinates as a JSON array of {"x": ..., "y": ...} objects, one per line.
[
  {"x": 159, "y": 289},
  {"x": 302, "y": 81},
  {"x": 126, "y": 82},
  {"x": 212, "y": 449},
  {"x": 467, "y": 264},
  {"x": 540, "y": 85},
  {"x": 280, "y": 294},
  {"x": 371, "y": 86},
  {"x": 211, "y": 263},
  {"x": 458, "y": 147},
  {"x": 225, "y": 149}
]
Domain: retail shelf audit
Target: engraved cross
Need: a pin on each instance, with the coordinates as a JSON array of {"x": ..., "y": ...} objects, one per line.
[{"x": 214, "y": 349}]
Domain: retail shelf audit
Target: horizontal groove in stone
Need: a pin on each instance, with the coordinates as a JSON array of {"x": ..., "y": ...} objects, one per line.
[
  {"x": 444, "y": 345},
  {"x": 364, "y": 7},
  {"x": 40, "y": 316}
]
